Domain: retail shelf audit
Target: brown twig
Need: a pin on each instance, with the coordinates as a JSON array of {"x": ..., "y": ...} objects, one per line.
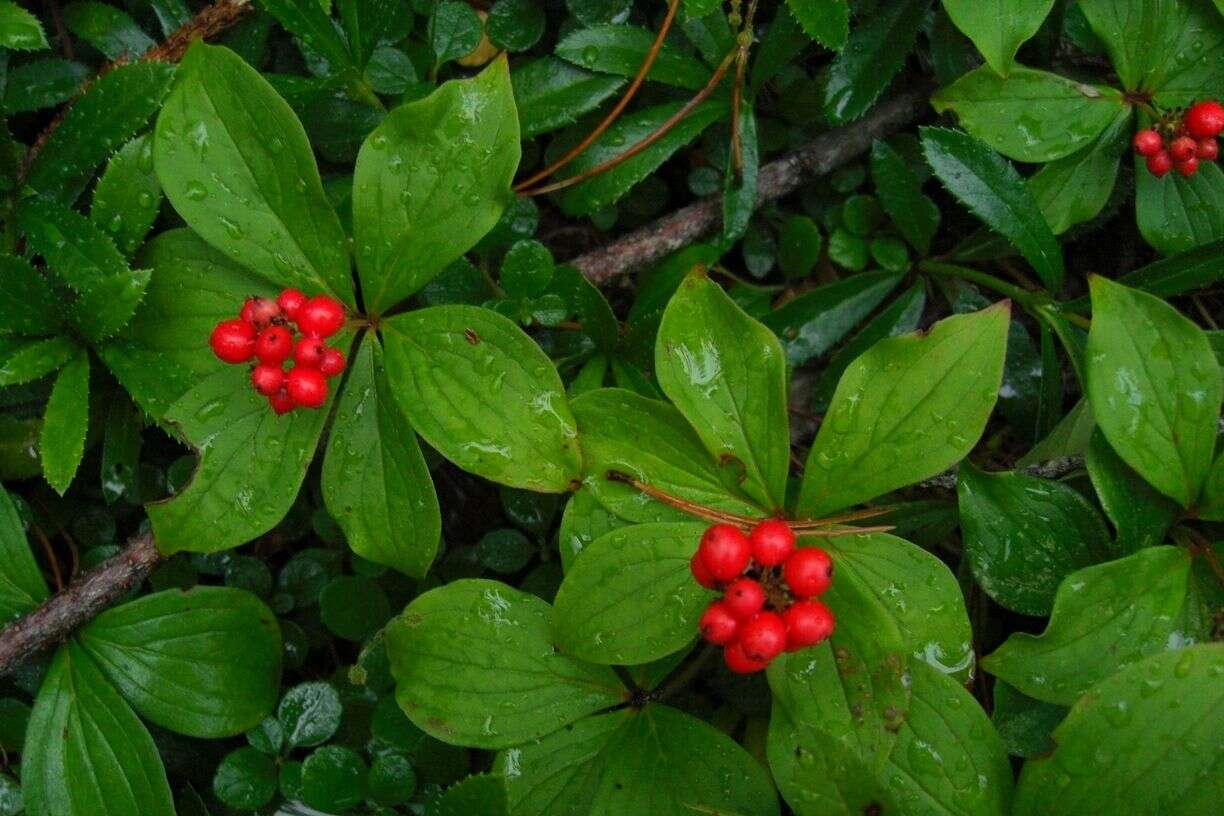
[
  {"x": 83, "y": 599},
  {"x": 56, "y": 574}
]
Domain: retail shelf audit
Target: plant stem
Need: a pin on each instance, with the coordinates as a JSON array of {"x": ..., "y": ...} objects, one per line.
[
  {"x": 686, "y": 674},
  {"x": 1026, "y": 298}
]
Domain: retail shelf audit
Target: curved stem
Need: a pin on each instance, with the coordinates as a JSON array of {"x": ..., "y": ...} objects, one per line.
[{"x": 1025, "y": 297}]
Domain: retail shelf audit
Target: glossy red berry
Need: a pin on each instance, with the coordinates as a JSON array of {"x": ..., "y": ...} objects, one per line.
[
  {"x": 763, "y": 637},
  {"x": 725, "y": 551},
  {"x": 267, "y": 379},
  {"x": 1160, "y": 164},
  {"x": 1182, "y": 148},
  {"x": 718, "y": 625},
  {"x": 259, "y": 311},
  {"x": 1188, "y": 167},
  {"x": 281, "y": 402},
  {"x": 1208, "y": 150},
  {"x": 332, "y": 362},
  {"x": 1205, "y": 119},
  {"x": 1148, "y": 142},
  {"x": 274, "y": 345},
  {"x": 308, "y": 352},
  {"x": 320, "y": 316},
  {"x": 744, "y": 598},
  {"x": 290, "y": 301},
  {"x": 702, "y": 574},
  {"x": 808, "y": 572},
  {"x": 772, "y": 542},
  {"x": 307, "y": 387},
  {"x": 739, "y": 662},
  {"x": 807, "y": 623},
  {"x": 233, "y": 341}
]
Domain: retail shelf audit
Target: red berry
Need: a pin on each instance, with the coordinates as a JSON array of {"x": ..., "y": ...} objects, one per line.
[
  {"x": 308, "y": 352},
  {"x": 332, "y": 362},
  {"x": 1205, "y": 119},
  {"x": 807, "y": 623},
  {"x": 259, "y": 311},
  {"x": 741, "y": 663},
  {"x": 808, "y": 572},
  {"x": 725, "y": 551},
  {"x": 1160, "y": 164},
  {"x": 772, "y": 542},
  {"x": 1148, "y": 142},
  {"x": 320, "y": 316},
  {"x": 1188, "y": 167},
  {"x": 1208, "y": 150},
  {"x": 764, "y": 637},
  {"x": 273, "y": 345},
  {"x": 290, "y": 301},
  {"x": 233, "y": 341},
  {"x": 267, "y": 379},
  {"x": 281, "y": 402},
  {"x": 307, "y": 387},
  {"x": 702, "y": 574},
  {"x": 744, "y": 598},
  {"x": 717, "y": 624},
  {"x": 1182, "y": 148}
]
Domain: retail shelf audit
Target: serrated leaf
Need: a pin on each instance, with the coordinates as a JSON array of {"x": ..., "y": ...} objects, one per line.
[
  {"x": 620, "y": 49},
  {"x": 107, "y": 29},
  {"x": 900, "y": 192},
  {"x": 310, "y": 22},
  {"x": 818, "y": 319},
  {"x": 998, "y": 28},
  {"x": 128, "y": 197},
  {"x": 550, "y": 93},
  {"x": 874, "y": 53},
  {"x": 480, "y": 793},
  {"x": 23, "y": 360},
  {"x": 28, "y": 305},
  {"x": 65, "y": 423},
  {"x": 19, "y": 29},
  {"x": 42, "y": 83},
  {"x": 825, "y": 21},
  {"x": 22, "y": 587}
]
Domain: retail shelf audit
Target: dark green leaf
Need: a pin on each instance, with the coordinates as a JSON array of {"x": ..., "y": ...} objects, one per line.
[
  {"x": 25, "y": 360},
  {"x": 620, "y": 49},
  {"x": 354, "y": 608},
  {"x": 334, "y": 779},
  {"x": 22, "y": 587},
  {"x": 19, "y": 29},
  {"x": 550, "y": 93},
  {"x": 1024, "y": 724},
  {"x": 1139, "y": 513},
  {"x": 245, "y": 779},
  {"x": 516, "y": 25},
  {"x": 1075, "y": 188},
  {"x": 365, "y": 22},
  {"x": 310, "y": 22},
  {"x": 825, "y": 21},
  {"x": 874, "y": 52},
  {"x": 42, "y": 84},
  {"x": 309, "y": 714},
  {"x": 65, "y": 423},
  {"x": 739, "y": 189},
  {"x": 1176, "y": 214},
  {"x": 28, "y": 305},
  {"x": 900, "y": 193},
  {"x": 454, "y": 30},
  {"x": 817, "y": 320},
  {"x": 128, "y": 197},
  {"x": 107, "y": 29},
  {"x": 480, "y": 793}
]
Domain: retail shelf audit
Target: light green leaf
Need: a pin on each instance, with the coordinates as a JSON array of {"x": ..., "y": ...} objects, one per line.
[
  {"x": 474, "y": 665},
  {"x": 652, "y": 760},
  {"x": 22, "y": 587},
  {"x": 630, "y": 597},
  {"x": 1176, "y": 214},
  {"x": 19, "y": 29},
  {"x": 375, "y": 480},
  {"x": 1154, "y": 386},
  {"x": 484, "y": 395},
  {"x": 23, "y": 360},
  {"x": 998, "y": 27},
  {"x": 128, "y": 197},
  {"x": 430, "y": 181},
  {"x": 1105, "y": 618},
  {"x": 205, "y": 662},
  {"x": 236, "y": 164},
  {"x": 65, "y": 423},
  {"x": 825, "y": 21},
  {"x": 86, "y": 753},
  {"x": 1139, "y": 742},
  {"x": 620, "y": 49},
  {"x": 1031, "y": 116},
  {"x": 1075, "y": 188},
  {"x": 907, "y": 409},
  {"x": 726, "y": 373},
  {"x": 28, "y": 304}
]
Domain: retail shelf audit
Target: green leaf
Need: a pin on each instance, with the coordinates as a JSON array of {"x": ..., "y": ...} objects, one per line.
[
  {"x": 1154, "y": 386},
  {"x": 107, "y": 29},
  {"x": 1176, "y": 214},
  {"x": 163, "y": 352},
  {"x": 353, "y": 607},
  {"x": 245, "y": 779},
  {"x": 309, "y": 714},
  {"x": 114, "y": 107},
  {"x": 1023, "y": 535},
  {"x": 585, "y": 520},
  {"x": 1185, "y": 272},
  {"x": 480, "y": 793},
  {"x": 22, "y": 587},
  {"x": 1031, "y": 116},
  {"x": 205, "y": 662},
  {"x": 311, "y": 23},
  {"x": 1134, "y": 729},
  {"x": 874, "y": 53},
  {"x": 1139, "y": 513},
  {"x": 1073, "y": 189},
  {"x": 42, "y": 83},
  {"x": 365, "y": 25},
  {"x": 107, "y": 290},
  {"x": 606, "y": 188},
  {"x": 484, "y": 395},
  {"x": 998, "y": 28},
  {"x": 86, "y": 753},
  {"x": 334, "y": 779},
  {"x": 652, "y": 760},
  {"x": 991, "y": 188},
  {"x": 474, "y": 665},
  {"x": 726, "y": 374},
  {"x": 815, "y": 321},
  {"x": 26, "y": 360},
  {"x": 550, "y": 93},
  {"x": 128, "y": 197},
  {"x": 19, "y": 29},
  {"x": 28, "y": 304},
  {"x": 825, "y": 21},
  {"x": 620, "y": 49},
  {"x": 1190, "y": 67},
  {"x": 252, "y": 463},
  {"x": 630, "y": 597},
  {"x": 65, "y": 423},
  {"x": 739, "y": 189},
  {"x": 1024, "y": 724},
  {"x": 516, "y": 25},
  {"x": 900, "y": 192},
  {"x": 1105, "y": 617},
  {"x": 799, "y": 246},
  {"x": 430, "y": 181},
  {"x": 906, "y": 409},
  {"x": 375, "y": 480},
  {"x": 236, "y": 164},
  {"x": 455, "y": 30}
]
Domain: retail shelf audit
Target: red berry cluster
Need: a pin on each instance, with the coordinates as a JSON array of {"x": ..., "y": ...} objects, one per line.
[
  {"x": 1183, "y": 144},
  {"x": 768, "y": 586},
  {"x": 265, "y": 331}
]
